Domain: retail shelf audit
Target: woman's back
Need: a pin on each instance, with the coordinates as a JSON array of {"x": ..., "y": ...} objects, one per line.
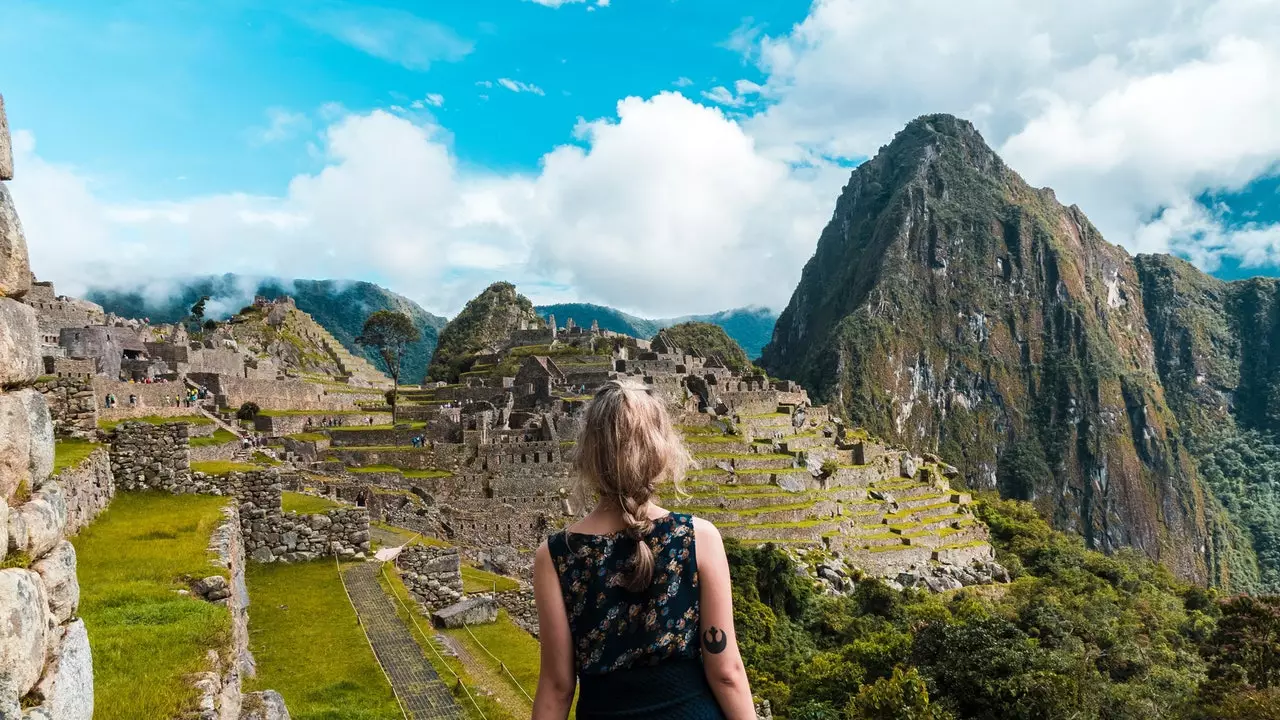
[{"x": 614, "y": 628}]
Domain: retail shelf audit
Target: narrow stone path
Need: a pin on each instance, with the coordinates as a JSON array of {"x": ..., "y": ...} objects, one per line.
[
  {"x": 415, "y": 682},
  {"x": 491, "y": 680}
]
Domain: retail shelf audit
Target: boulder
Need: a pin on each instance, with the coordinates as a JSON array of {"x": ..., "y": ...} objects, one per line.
[
  {"x": 265, "y": 705},
  {"x": 262, "y": 555},
  {"x": 472, "y": 611},
  {"x": 67, "y": 687},
  {"x": 15, "y": 444},
  {"x": 6, "y": 147},
  {"x": 41, "y": 522},
  {"x": 790, "y": 482},
  {"x": 502, "y": 560},
  {"x": 24, "y": 631},
  {"x": 907, "y": 466},
  {"x": 58, "y": 570},
  {"x": 41, "y": 425},
  {"x": 15, "y": 272},
  {"x": 19, "y": 343}
]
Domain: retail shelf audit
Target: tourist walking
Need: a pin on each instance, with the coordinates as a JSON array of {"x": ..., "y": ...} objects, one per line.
[{"x": 634, "y": 603}]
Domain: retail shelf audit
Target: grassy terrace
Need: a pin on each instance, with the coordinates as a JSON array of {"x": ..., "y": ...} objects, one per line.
[
  {"x": 305, "y": 504},
  {"x": 475, "y": 580},
  {"x": 223, "y": 467},
  {"x": 446, "y": 666},
  {"x": 742, "y": 456},
  {"x": 290, "y": 413},
  {"x": 309, "y": 645},
  {"x": 413, "y": 474},
  {"x": 69, "y": 453},
  {"x": 415, "y": 425},
  {"x": 109, "y": 425},
  {"x": 307, "y": 437},
  {"x": 515, "y": 649},
  {"x": 408, "y": 536},
  {"x": 146, "y": 637},
  {"x": 219, "y": 437}
]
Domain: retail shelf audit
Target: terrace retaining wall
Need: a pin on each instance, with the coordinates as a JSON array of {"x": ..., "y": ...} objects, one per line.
[{"x": 89, "y": 488}]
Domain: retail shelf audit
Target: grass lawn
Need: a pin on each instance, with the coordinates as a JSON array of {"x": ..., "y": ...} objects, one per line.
[
  {"x": 222, "y": 467},
  {"x": 69, "y": 453},
  {"x": 475, "y": 580},
  {"x": 407, "y": 535},
  {"x": 109, "y": 425},
  {"x": 514, "y": 647},
  {"x": 146, "y": 637},
  {"x": 448, "y": 668},
  {"x": 309, "y": 645},
  {"x": 219, "y": 437},
  {"x": 304, "y": 504},
  {"x": 308, "y": 437}
]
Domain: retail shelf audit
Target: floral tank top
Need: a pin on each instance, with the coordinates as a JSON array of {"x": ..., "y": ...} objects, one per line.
[{"x": 614, "y": 628}]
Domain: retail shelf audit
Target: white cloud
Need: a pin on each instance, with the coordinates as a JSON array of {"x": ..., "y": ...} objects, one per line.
[
  {"x": 393, "y": 35},
  {"x": 431, "y": 100},
  {"x": 555, "y": 3},
  {"x": 721, "y": 95},
  {"x": 1123, "y": 108},
  {"x": 666, "y": 209},
  {"x": 682, "y": 81},
  {"x": 516, "y": 86},
  {"x": 281, "y": 125}
]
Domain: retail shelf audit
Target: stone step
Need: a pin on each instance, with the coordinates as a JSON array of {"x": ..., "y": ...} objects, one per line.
[
  {"x": 970, "y": 531},
  {"x": 921, "y": 513},
  {"x": 745, "y": 461},
  {"x": 812, "y": 530},
  {"x": 718, "y": 444}
]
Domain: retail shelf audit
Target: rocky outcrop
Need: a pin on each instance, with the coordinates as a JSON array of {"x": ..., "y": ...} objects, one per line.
[
  {"x": 483, "y": 326},
  {"x": 46, "y": 671},
  {"x": 951, "y": 307}
]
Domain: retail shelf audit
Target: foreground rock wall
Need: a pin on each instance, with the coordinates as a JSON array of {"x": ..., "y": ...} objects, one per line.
[
  {"x": 88, "y": 488},
  {"x": 45, "y": 665},
  {"x": 272, "y": 535},
  {"x": 433, "y": 575},
  {"x": 71, "y": 406}
]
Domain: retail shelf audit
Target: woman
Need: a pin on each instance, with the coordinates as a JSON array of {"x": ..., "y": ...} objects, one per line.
[{"x": 633, "y": 601}]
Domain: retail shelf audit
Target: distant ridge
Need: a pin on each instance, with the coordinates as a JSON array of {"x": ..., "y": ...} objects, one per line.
[{"x": 750, "y": 327}]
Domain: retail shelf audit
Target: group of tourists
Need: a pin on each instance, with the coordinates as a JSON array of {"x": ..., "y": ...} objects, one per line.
[{"x": 418, "y": 441}]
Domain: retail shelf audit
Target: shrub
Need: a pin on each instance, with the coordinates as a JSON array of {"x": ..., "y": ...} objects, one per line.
[{"x": 248, "y": 411}]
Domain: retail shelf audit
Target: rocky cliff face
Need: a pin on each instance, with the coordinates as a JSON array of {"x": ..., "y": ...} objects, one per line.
[
  {"x": 949, "y": 306},
  {"x": 482, "y": 327}
]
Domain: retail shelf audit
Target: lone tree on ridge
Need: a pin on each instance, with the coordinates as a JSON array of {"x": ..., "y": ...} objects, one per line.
[{"x": 391, "y": 333}]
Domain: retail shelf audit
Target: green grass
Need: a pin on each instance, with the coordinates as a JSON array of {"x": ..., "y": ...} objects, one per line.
[
  {"x": 307, "y": 437},
  {"x": 222, "y": 467},
  {"x": 407, "y": 535},
  {"x": 69, "y": 453},
  {"x": 146, "y": 638},
  {"x": 304, "y": 504},
  {"x": 765, "y": 416},
  {"x": 742, "y": 456},
  {"x": 109, "y": 425},
  {"x": 262, "y": 458},
  {"x": 699, "y": 429},
  {"x": 426, "y": 474},
  {"x": 309, "y": 645},
  {"x": 375, "y": 469},
  {"x": 447, "y": 667},
  {"x": 475, "y": 580},
  {"x": 514, "y": 648},
  {"x": 219, "y": 437},
  {"x": 317, "y": 413}
]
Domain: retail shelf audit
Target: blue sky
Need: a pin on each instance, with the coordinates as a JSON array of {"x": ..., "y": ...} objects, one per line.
[{"x": 663, "y": 156}]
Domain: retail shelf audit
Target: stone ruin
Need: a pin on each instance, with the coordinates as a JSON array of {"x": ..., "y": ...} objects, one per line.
[{"x": 46, "y": 670}]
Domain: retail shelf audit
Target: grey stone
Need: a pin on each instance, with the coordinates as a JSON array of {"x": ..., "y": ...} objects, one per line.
[
  {"x": 472, "y": 611},
  {"x": 949, "y": 471},
  {"x": 907, "y": 466},
  {"x": 210, "y": 584},
  {"x": 4, "y": 528},
  {"x": 67, "y": 687},
  {"x": 265, "y": 705},
  {"x": 790, "y": 482},
  {"x": 19, "y": 343},
  {"x": 262, "y": 555},
  {"x": 15, "y": 272},
  {"x": 15, "y": 445},
  {"x": 24, "y": 631},
  {"x": 290, "y": 539},
  {"x": 58, "y": 569},
  {"x": 41, "y": 426},
  {"x": 319, "y": 522},
  {"x": 44, "y": 518},
  {"x": 6, "y": 146}
]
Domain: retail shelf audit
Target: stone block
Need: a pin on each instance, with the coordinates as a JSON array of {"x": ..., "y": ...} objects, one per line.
[
  {"x": 24, "y": 632},
  {"x": 43, "y": 518},
  {"x": 67, "y": 687},
  {"x": 472, "y": 611},
  {"x": 907, "y": 466},
  {"x": 265, "y": 705},
  {"x": 19, "y": 343},
  {"x": 58, "y": 570},
  {"x": 42, "y": 440},
  {"x": 4, "y": 528},
  {"x": 15, "y": 447},
  {"x": 15, "y": 270},
  {"x": 6, "y": 146}
]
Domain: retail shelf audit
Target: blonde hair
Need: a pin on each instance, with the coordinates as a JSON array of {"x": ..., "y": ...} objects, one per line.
[{"x": 627, "y": 445}]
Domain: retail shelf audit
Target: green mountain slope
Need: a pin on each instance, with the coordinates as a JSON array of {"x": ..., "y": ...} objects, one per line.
[
  {"x": 340, "y": 306},
  {"x": 708, "y": 340},
  {"x": 482, "y": 327},
  {"x": 750, "y": 327},
  {"x": 952, "y": 307}
]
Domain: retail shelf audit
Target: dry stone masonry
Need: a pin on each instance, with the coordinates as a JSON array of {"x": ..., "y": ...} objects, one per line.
[
  {"x": 271, "y": 535},
  {"x": 152, "y": 457},
  {"x": 71, "y": 405},
  {"x": 46, "y": 672},
  {"x": 89, "y": 488},
  {"x": 433, "y": 575}
]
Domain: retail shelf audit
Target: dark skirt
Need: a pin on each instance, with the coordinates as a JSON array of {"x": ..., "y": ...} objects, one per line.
[{"x": 674, "y": 690}]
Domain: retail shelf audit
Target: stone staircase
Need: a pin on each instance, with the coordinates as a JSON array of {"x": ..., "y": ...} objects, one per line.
[
  {"x": 357, "y": 368},
  {"x": 886, "y": 513}
]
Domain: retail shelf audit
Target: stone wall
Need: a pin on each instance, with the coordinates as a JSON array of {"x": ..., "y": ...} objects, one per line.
[
  {"x": 433, "y": 575},
  {"x": 152, "y": 457},
  {"x": 44, "y": 648},
  {"x": 149, "y": 399},
  {"x": 272, "y": 535},
  {"x": 521, "y": 609},
  {"x": 209, "y": 453},
  {"x": 280, "y": 425},
  {"x": 71, "y": 406},
  {"x": 89, "y": 487},
  {"x": 273, "y": 394}
]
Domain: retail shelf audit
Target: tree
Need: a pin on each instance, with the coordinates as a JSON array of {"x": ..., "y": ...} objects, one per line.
[
  {"x": 391, "y": 333},
  {"x": 248, "y": 411},
  {"x": 197, "y": 310}
]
